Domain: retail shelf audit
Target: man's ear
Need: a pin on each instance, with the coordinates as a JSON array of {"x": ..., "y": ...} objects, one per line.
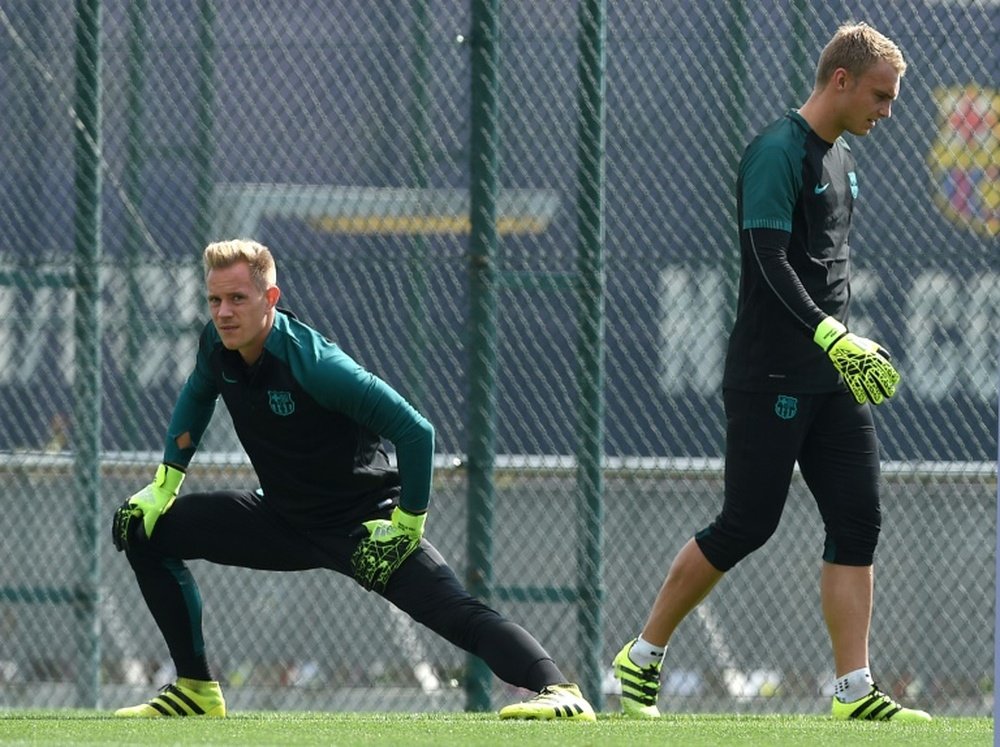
[{"x": 272, "y": 294}]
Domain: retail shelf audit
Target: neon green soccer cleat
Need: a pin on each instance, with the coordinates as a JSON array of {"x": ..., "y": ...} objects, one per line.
[
  {"x": 640, "y": 685},
  {"x": 185, "y": 697},
  {"x": 876, "y": 706},
  {"x": 555, "y": 702}
]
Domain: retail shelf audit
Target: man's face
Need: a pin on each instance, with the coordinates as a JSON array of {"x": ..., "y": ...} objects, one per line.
[
  {"x": 242, "y": 312},
  {"x": 868, "y": 97}
]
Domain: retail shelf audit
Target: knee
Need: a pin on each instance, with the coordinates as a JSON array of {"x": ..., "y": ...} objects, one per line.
[
  {"x": 726, "y": 543},
  {"x": 427, "y": 589},
  {"x": 852, "y": 541},
  {"x": 130, "y": 538}
]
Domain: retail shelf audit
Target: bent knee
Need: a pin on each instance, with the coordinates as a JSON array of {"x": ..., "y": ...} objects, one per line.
[{"x": 725, "y": 546}]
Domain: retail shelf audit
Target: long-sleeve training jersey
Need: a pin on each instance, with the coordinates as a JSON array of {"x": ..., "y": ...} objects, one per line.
[
  {"x": 311, "y": 420},
  {"x": 795, "y": 198}
]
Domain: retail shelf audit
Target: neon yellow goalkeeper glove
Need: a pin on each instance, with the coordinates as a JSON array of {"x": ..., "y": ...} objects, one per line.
[
  {"x": 864, "y": 364},
  {"x": 385, "y": 545},
  {"x": 150, "y": 503}
]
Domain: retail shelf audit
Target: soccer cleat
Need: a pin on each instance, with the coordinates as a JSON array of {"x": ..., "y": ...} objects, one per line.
[
  {"x": 185, "y": 697},
  {"x": 555, "y": 702},
  {"x": 640, "y": 685},
  {"x": 876, "y": 706}
]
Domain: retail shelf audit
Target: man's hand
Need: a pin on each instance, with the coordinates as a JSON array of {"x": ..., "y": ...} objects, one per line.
[
  {"x": 384, "y": 547},
  {"x": 148, "y": 504},
  {"x": 864, "y": 364}
]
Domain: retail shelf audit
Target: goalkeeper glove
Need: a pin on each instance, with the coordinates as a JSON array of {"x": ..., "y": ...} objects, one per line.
[
  {"x": 864, "y": 364},
  {"x": 385, "y": 544},
  {"x": 148, "y": 504}
]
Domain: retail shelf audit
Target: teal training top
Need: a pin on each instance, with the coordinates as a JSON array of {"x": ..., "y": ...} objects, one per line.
[
  {"x": 795, "y": 197},
  {"x": 311, "y": 420}
]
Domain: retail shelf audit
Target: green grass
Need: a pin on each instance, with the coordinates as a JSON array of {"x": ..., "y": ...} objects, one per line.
[{"x": 475, "y": 730}]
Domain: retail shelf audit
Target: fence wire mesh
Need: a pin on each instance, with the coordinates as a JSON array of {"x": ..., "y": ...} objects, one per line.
[{"x": 339, "y": 134}]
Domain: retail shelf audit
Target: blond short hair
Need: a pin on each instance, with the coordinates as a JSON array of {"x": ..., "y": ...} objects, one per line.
[
  {"x": 856, "y": 47},
  {"x": 258, "y": 257}
]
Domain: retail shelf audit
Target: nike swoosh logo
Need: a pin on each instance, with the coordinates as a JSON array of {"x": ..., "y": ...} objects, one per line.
[
  {"x": 821, "y": 188},
  {"x": 226, "y": 379}
]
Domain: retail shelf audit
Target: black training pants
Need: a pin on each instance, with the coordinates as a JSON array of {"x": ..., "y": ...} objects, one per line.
[
  {"x": 833, "y": 440},
  {"x": 241, "y": 528}
]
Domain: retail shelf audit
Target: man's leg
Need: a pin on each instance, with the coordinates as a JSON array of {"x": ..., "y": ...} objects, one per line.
[
  {"x": 690, "y": 579},
  {"x": 228, "y": 527},
  {"x": 426, "y": 588},
  {"x": 761, "y": 446},
  {"x": 840, "y": 464},
  {"x": 846, "y": 596}
]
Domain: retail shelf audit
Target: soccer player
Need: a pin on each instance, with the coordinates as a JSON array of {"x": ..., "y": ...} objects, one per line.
[
  {"x": 312, "y": 422},
  {"x": 797, "y": 385}
]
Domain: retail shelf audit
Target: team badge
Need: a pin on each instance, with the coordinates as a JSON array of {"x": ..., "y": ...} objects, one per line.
[
  {"x": 281, "y": 402},
  {"x": 786, "y": 407},
  {"x": 853, "y": 179},
  {"x": 965, "y": 158}
]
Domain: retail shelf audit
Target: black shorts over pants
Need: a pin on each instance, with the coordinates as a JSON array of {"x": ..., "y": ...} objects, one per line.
[{"x": 833, "y": 440}]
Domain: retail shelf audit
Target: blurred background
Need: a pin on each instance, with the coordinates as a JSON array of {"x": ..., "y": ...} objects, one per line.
[{"x": 521, "y": 215}]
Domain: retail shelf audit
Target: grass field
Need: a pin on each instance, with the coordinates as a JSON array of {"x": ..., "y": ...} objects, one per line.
[{"x": 475, "y": 730}]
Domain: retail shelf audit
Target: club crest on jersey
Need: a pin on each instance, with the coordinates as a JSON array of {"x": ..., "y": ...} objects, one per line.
[
  {"x": 786, "y": 407},
  {"x": 853, "y": 179},
  {"x": 281, "y": 402}
]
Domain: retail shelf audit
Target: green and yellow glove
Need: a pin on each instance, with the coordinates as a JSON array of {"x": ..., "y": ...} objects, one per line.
[
  {"x": 148, "y": 504},
  {"x": 385, "y": 544},
  {"x": 864, "y": 364}
]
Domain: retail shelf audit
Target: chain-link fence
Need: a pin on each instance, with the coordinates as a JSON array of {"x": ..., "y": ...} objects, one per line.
[{"x": 350, "y": 136}]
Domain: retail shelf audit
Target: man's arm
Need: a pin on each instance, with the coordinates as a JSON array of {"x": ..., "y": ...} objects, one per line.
[
  {"x": 340, "y": 383},
  {"x": 770, "y": 251},
  {"x": 191, "y": 415},
  {"x": 383, "y": 410},
  {"x": 864, "y": 364},
  {"x": 192, "y": 411}
]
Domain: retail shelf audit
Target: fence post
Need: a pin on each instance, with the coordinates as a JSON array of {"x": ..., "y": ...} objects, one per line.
[
  {"x": 87, "y": 334},
  {"x": 590, "y": 352},
  {"x": 735, "y": 134},
  {"x": 135, "y": 153},
  {"x": 417, "y": 339},
  {"x": 204, "y": 126},
  {"x": 481, "y": 436}
]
